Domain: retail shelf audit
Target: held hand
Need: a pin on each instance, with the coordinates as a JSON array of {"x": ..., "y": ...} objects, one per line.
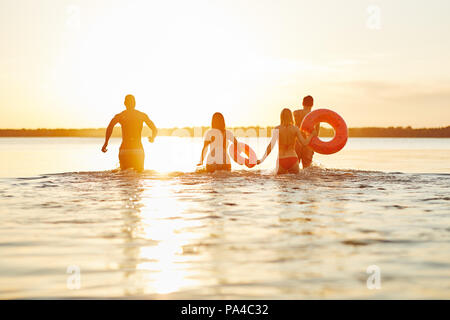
[
  {"x": 104, "y": 148},
  {"x": 258, "y": 162},
  {"x": 151, "y": 139}
]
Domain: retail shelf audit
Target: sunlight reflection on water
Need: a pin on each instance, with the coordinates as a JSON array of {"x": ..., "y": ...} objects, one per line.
[
  {"x": 245, "y": 234},
  {"x": 21, "y": 157}
]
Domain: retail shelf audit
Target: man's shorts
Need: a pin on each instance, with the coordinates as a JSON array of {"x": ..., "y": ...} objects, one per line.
[
  {"x": 132, "y": 158},
  {"x": 304, "y": 154}
]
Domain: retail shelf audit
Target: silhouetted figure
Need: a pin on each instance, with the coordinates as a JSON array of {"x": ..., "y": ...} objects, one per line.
[
  {"x": 287, "y": 136},
  {"x": 131, "y": 154},
  {"x": 304, "y": 152},
  {"x": 217, "y": 139}
]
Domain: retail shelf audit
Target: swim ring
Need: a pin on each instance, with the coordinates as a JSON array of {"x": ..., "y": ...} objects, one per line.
[
  {"x": 235, "y": 153},
  {"x": 333, "y": 119}
]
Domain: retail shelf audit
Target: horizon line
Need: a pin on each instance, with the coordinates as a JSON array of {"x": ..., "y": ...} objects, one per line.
[
  {"x": 256, "y": 131},
  {"x": 233, "y": 127}
]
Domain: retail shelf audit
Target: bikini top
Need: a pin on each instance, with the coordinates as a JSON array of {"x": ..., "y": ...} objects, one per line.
[
  {"x": 275, "y": 138},
  {"x": 283, "y": 145}
]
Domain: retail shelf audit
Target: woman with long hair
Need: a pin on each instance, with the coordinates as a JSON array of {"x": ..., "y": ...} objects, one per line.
[
  {"x": 286, "y": 134},
  {"x": 217, "y": 139}
]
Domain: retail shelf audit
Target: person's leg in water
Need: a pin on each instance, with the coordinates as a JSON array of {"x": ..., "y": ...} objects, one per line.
[
  {"x": 307, "y": 156},
  {"x": 132, "y": 159}
]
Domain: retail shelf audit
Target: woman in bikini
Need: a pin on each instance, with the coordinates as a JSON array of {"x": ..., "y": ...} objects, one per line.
[
  {"x": 286, "y": 134},
  {"x": 217, "y": 139}
]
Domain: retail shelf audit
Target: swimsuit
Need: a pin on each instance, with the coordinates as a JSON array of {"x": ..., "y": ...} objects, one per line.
[
  {"x": 132, "y": 158},
  {"x": 288, "y": 163},
  {"x": 218, "y": 167},
  {"x": 304, "y": 153}
]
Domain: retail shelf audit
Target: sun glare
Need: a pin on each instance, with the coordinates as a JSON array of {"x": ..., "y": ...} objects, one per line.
[{"x": 163, "y": 63}]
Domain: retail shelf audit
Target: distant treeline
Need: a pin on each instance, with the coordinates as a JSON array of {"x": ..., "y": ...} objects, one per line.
[
  {"x": 390, "y": 132},
  {"x": 399, "y": 132}
]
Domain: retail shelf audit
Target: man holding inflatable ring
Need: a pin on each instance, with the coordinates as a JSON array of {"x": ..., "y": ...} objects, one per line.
[{"x": 304, "y": 153}]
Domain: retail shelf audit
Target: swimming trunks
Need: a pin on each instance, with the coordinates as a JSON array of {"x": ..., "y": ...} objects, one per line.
[
  {"x": 132, "y": 158},
  {"x": 287, "y": 163},
  {"x": 304, "y": 154}
]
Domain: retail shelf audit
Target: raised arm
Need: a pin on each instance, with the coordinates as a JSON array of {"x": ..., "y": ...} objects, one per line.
[
  {"x": 152, "y": 126},
  {"x": 109, "y": 131},
  {"x": 275, "y": 135}
]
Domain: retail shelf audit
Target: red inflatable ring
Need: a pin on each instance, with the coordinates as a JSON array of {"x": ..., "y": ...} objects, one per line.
[
  {"x": 235, "y": 153},
  {"x": 333, "y": 119}
]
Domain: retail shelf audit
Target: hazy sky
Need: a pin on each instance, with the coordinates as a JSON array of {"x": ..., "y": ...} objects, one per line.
[{"x": 70, "y": 63}]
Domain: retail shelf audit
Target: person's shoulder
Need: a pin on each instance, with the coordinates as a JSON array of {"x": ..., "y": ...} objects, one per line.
[
  {"x": 141, "y": 114},
  {"x": 119, "y": 115},
  {"x": 209, "y": 132}
]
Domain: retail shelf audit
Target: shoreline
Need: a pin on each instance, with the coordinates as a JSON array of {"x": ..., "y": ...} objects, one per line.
[{"x": 365, "y": 132}]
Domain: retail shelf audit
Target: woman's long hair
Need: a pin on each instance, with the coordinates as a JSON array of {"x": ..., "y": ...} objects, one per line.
[
  {"x": 286, "y": 117},
  {"x": 218, "y": 122}
]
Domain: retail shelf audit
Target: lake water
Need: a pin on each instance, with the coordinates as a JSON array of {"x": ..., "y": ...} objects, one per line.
[{"x": 171, "y": 232}]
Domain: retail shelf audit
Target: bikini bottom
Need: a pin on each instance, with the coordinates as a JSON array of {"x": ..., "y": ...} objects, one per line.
[
  {"x": 287, "y": 163},
  {"x": 216, "y": 167}
]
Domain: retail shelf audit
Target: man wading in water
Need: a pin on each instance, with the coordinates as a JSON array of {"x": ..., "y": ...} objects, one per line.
[
  {"x": 304, "y": 152},
  {"x": 131, "y": 153}
]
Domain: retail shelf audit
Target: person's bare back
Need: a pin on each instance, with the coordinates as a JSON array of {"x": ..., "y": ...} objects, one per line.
[
  {"x": 131, "y": 154},
  {"x": 132, "y": 122},
  {"x": 286, "y": 134},
  {"x": 286, "y": 140}
]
